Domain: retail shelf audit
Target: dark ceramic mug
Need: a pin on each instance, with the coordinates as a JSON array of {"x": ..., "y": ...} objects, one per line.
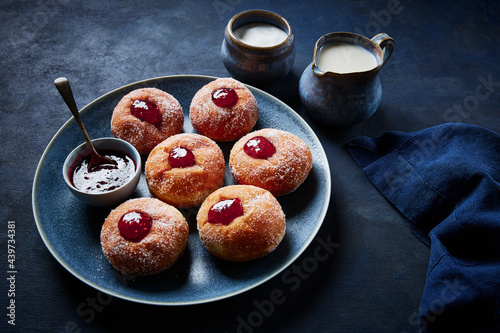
[
  {"x": 256, "y": 64},
  {"x": 345, "y": 99}
]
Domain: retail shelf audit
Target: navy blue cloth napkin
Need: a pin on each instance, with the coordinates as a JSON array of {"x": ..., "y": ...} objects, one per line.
[{"x": 445, "y": 180}]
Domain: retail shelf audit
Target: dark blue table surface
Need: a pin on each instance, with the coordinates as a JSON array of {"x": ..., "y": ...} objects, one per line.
[{"x": 444, "y": 69}]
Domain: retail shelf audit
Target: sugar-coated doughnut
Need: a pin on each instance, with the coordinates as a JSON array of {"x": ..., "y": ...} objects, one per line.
[
  {"x": 236, "y": 116},
  {"x": 145, "y": 117},
  {"x": 241, "y": 223},
  {"x": 184, "y": 169},
  {"x": 280, "y": 173},
  {"x": 144, "y": 236}
]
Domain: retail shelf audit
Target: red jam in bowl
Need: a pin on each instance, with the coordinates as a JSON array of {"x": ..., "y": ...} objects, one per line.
[{"x": 105, "y": 178}]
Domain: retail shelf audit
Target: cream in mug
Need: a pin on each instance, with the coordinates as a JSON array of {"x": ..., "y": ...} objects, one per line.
[
  {"x": 260, "y": 34},
  {"x": 345, "y": 58}
]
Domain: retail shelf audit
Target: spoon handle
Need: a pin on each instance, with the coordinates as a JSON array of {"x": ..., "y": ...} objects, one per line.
[{"x": 62, "y": 85}]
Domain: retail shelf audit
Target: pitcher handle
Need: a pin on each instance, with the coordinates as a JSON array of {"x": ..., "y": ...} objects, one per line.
[{"x": 386, "y": 43}]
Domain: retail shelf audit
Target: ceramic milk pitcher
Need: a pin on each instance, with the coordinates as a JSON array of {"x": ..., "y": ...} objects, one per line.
[{"x": 341, "y": 87}]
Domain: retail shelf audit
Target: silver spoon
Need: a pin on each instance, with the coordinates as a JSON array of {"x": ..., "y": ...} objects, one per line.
[{"x": 97, "y": 161}]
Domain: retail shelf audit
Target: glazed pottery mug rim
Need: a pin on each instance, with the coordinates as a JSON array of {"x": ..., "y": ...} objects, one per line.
[
  {"x": 381, "y": 46},
  {"x": 259, "y": 16}
]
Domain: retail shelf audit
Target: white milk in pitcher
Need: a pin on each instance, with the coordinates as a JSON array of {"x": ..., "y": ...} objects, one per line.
[{"x": 345, "y": 58}]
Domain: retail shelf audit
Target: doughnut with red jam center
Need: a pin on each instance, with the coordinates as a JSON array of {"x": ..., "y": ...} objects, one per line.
[
  {"x": 184, "y": 169},
  {"x": 145, "y": 117},
  {"x": 144, "y": 236},
  {"x": 241, "y": 223},
  {"x": 275, "y": 160},
  {"x": 224, "y": 110}
]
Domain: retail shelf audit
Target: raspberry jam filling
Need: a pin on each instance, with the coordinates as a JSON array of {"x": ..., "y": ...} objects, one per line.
[
  {"x": 225, "y": 97},
  {"x": 259, "y": 147},
  {"x": 225, "y": 211},
  {"x": 146, "y": 111},
  {"x": 105, "y": 177},
  {"x": 181, "y": 157},
  {"x": 134, "y": 226}
]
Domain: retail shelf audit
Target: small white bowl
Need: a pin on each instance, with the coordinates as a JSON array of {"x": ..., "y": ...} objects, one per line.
[{"x": 110, "y": 197}]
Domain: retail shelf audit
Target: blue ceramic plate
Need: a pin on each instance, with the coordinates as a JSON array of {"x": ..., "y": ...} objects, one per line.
[{"x": 71, "y": 230}]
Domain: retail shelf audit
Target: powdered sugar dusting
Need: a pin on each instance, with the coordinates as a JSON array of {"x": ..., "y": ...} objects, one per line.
[
  {"x": 185, "y": 187},
  {"x": 281, "y": 173},
  {"x": 223, "y": 124},
  {"x": 141, "y": 134},
  {"x": 256, "y": 233},
  {"x": 158, "y": 250}
]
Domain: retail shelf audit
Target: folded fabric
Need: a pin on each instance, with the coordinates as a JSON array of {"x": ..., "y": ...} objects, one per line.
[{"x": 445, "y": 180}]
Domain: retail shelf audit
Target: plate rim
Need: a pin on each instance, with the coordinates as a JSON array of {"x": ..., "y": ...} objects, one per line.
[{"x": 305, "y": 245}]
